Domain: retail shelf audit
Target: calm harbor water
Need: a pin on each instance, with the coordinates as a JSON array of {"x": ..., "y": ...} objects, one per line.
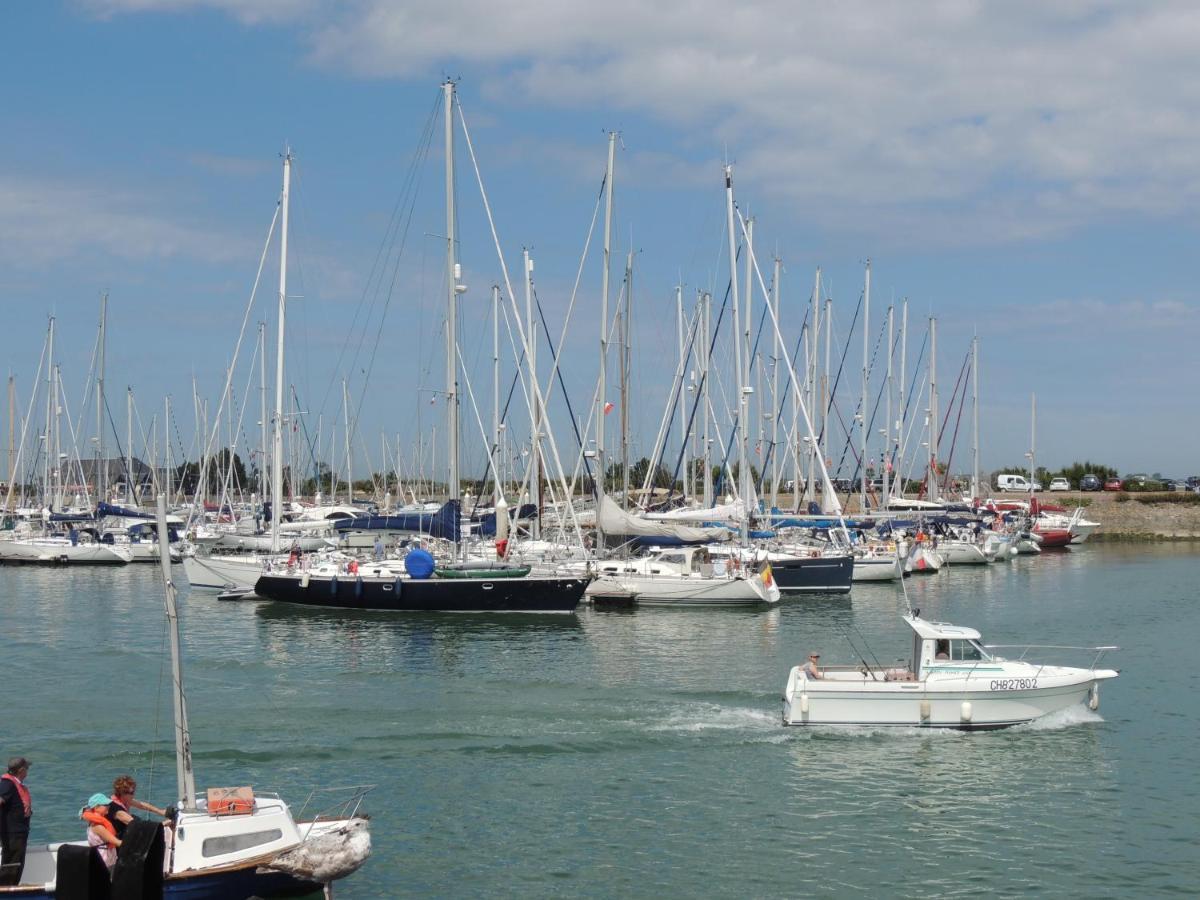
[{"x": 639, "y": 753}]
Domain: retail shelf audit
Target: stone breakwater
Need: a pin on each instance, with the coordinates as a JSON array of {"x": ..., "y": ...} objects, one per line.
[
  {"x": 1122, "y": 517},
  {"x": 1132, "y": 520}
]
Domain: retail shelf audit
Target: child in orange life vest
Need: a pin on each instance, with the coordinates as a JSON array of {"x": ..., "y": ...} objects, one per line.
[{"x": 100, "y": 832}]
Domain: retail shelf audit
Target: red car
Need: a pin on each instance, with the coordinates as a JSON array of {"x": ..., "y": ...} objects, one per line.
[{"x": 1113, "y": 484}]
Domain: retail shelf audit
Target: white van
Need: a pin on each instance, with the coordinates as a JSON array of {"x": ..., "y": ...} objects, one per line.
[{"x": 1012, "y": 483}]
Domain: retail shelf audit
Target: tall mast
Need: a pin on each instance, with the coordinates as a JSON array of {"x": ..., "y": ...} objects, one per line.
[
  {"x": 277, "y": 438},
  {"x": 535, "y": 424},
  {"x": 931, "y": 492},
  {"x": 814, "y": 332},
  {"x": 625, "y": 328},
  {"x": 129, "y": 492},
  {"x": 12, "y": 433},
  {"x": 903, "y": 398},
  {"x": 975, "y": 417},
  {"x": 743, "y": 473},
  {"x": 101, "y": 463},
  {"x": 262, "y": 410},
  {"x": 775, "y": 411},
  {"x": 862, "y": 422},
  {"x": 346, "y": 428},
  {"x": 49, "y": 432},
  {"x": 707, "y": 449},
  {"x": 747, "y": 360},
  {"x": 885, "y": 458},
  {"x": 184, "y": 777},
  {"x": 601, "y": 459},
  {"x": 452, "y": 292},
  {"x": 495, "y": 392},
  {"x": 826, "y": 399},
  {"x": 1032, "y": 441},
  {"x": 170, "y": 475},
  {"x": 683, "y": 425}
]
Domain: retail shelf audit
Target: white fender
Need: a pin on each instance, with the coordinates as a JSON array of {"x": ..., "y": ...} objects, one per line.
[
  {"x": 965, "y": 712},
  {"x": 304, "y": 580},
  {"x": 1094, "y": 697},
  {"x": 926, "y": 709},
  {"x": 804, "y": 704}
]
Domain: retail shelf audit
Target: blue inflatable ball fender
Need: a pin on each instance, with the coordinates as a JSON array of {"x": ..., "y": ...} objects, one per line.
[{"x": 418, "y": 563}]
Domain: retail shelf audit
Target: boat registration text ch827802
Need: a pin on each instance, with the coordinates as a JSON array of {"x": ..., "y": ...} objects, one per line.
[{"x": 1013, "y": 684}]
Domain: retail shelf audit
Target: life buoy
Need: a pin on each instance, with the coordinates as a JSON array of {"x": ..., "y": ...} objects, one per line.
[{"x": 352, "y": 567}]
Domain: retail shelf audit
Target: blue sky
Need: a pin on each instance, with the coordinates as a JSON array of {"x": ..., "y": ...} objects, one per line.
[{"x": 1024, "y": 172}]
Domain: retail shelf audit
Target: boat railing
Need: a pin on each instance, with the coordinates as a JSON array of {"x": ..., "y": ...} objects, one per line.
[
  {"x": 332, "y": 804},
  {"x": 1025, "y": 648}
]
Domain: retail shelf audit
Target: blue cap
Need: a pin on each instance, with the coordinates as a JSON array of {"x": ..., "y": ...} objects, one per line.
[{"x": 98, "y": 800}]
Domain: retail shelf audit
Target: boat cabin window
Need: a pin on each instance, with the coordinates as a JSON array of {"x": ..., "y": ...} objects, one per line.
[
  {"x": 967, "y": 651},
  {"x": 232, "y": 843},
  {"x": 676, "y": 558}
]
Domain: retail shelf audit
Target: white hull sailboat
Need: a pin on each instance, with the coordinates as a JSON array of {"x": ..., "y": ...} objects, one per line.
[{"x": 682, "y": 576}]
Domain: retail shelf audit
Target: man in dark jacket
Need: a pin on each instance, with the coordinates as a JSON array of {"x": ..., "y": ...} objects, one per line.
[{"x": 16, "y": 809}]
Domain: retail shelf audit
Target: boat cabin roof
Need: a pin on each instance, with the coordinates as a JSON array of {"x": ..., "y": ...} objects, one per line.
[{"x": 941, "y": 630}]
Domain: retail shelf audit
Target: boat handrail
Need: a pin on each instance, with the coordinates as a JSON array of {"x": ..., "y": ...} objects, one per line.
[
  {"x": 1025, "y": 648},
  {"x": 344, "y": 805}
]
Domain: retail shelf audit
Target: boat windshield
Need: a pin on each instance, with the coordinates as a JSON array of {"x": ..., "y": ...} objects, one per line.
[{"x": 967, "y": 650}]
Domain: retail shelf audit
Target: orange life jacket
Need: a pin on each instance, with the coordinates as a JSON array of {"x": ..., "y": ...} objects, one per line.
[{"x": 95, "y": 818}]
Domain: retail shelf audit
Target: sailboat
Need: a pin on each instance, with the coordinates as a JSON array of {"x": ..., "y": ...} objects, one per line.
[
  {"x": 214, "y": 850},
  {"x": 416, "y": 583}
]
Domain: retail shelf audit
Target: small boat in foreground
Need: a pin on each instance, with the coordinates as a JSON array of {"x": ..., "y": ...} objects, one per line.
[{"x": 954, "y": 681}]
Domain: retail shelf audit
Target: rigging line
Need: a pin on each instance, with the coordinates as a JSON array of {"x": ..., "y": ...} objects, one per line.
[
  {"x": 386, "y": 241},
  {"x": 954, "y": 440},
  {"x": 787, "y": 387},
  {"x": 207, "y": 448},
  {"x": 954, "y": 397},
  {"x": 525, "y": 338},
  {"x": 902, "y": 450},
  {"x": 870, "y": 426},
  {"x": 391, "y": 289}
]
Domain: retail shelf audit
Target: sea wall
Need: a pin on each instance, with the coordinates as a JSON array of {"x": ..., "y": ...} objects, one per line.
[{"x": 1132, "y": 520}]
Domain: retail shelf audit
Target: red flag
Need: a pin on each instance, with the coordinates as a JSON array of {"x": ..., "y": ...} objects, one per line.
[{"x": 608, "y": 407}]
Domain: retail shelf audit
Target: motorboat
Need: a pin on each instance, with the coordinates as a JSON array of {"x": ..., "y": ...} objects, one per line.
[
  {"x": 953, "y": 680},
  {"x": 684, "y": 576}
]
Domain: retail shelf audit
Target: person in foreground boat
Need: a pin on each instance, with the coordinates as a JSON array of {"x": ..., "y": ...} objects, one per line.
[
  {"x": 101, "y": 832},
  {"x": 123, "y": 800},
  {"x": 16, "y": 810}
]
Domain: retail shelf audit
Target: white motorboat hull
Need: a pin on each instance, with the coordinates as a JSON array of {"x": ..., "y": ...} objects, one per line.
[
  {"x": 978, "y": 703},
  {"x": 962, "y": 553},
  {"x": 60, "y": 551},
  {"x": 262, "y": 542},
  {"x": 877, "y": 568},
  {"x": 219, "y": 572},
  {"x": 684, "y": 590}
]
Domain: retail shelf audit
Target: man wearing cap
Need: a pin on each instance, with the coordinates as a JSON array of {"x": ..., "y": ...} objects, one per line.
[
  {"x": 810, "y": 667},
  {"x": 16, "y": 809}
]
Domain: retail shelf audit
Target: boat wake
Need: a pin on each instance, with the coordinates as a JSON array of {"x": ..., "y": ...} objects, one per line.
[
  {"x": 711, "y": 717},
  {"x": 1063, "y": 718}
]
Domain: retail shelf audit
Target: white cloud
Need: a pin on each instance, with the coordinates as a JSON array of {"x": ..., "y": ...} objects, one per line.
[
  {"x": 967, "y": 121},
  {"x": 44, "y": 221}
]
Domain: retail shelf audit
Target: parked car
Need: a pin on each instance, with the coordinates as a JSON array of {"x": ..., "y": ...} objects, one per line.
[
  {"x": 1134, "y": 482},
  {"x": 1174, "y": 484},
  {"x": 1010, "y": 482},
  {"x": 1090, "y": 483},
  {"x": 1059, "y": 484},
  {"x": 1113, "y": 484}
]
